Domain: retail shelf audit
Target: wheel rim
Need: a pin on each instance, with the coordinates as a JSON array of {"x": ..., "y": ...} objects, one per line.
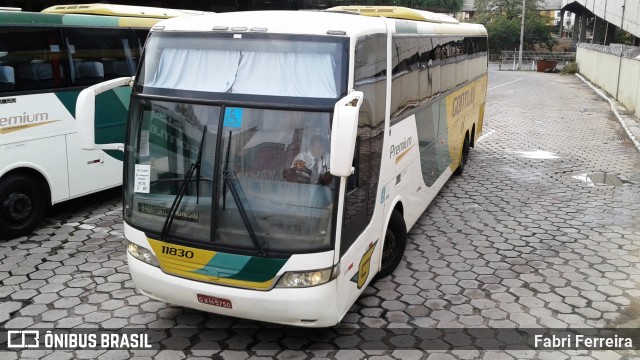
[
  {"x": 388, "y": 249},
  {"x": 17, "y": 207}
]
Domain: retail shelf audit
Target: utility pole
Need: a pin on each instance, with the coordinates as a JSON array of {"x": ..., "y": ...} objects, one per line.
[
  {"x": 624, "y": 47},
  {"x": 524, "y": 8}
]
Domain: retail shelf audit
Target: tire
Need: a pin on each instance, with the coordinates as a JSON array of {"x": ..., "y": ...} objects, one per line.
[
  {"x": 463, "y": 157},
  {"x": 22, "y": 206},
  {"x": 472, "y": 139},
  {"x": 395, "y": 242}
]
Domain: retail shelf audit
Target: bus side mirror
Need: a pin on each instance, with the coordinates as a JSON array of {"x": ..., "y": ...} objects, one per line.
[
  {"x": 343, "y": 133},
  {"x": 86, "y": 113}
]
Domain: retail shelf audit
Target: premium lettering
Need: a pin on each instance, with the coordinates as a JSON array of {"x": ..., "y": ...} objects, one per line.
[
  {"x": 397, "y": 149},
  {"x": 23, "y": 119}
]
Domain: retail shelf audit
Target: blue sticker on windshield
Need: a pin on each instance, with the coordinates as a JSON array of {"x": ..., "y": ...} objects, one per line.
[{"x": 233, "y": 117}]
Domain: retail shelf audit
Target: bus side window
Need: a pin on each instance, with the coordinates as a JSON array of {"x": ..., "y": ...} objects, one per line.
[
  {"x": 370, "y": 78},
  {"x": 447, "y": 64},
  {"x": 31, "y": 59},
  {"x": 427, "y": 123},
  {"x": 7, "y": 78},
  {"x": 100, "y": 54},
  {"x": 406, "y": 79},
  {"x": 429, "y": 73},
  {"x": 141, "y": 38},
  {"x": 478, "y": 56},
  {"x": 461, "y": 61},
  {"x": 352, "y": 180}
]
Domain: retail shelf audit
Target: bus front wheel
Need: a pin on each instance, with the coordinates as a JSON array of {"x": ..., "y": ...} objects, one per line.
[
  {"x": 395, "y": 241},
  {"x": 22, "y": 206}
]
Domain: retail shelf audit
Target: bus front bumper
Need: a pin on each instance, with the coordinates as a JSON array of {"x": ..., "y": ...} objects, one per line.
[{"x": 307, "y": 307}]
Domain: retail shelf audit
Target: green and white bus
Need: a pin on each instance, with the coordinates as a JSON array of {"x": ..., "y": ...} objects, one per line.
[
  {"x": 46, "y": 59},
  {"x": 276, "y": 160}
]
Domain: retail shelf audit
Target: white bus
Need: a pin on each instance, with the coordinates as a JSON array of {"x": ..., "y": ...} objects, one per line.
[
  {"x": 45, "y": 60},
  {"x": 276, "y": 160}
]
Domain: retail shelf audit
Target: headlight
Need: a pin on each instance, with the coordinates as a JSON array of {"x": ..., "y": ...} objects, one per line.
[
  {"x": 142, "y": 254},
  {"x": 298, "y": 279}
]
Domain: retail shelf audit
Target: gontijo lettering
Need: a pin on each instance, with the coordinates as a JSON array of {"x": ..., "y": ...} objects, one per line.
[{"x": 463, "y": 101}]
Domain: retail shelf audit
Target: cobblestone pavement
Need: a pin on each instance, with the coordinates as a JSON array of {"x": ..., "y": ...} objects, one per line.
[{"x": 519, "y": 240}]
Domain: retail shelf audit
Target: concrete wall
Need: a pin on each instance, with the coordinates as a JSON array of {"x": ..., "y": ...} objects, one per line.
[
  {"x": 614, "y": 69},
  {"x": 628, "y": 91}
]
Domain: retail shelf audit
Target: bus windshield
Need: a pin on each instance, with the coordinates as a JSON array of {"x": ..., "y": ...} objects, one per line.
[
  {"x": 263, "y": 177},
  {"x": 251, "y": 64}
]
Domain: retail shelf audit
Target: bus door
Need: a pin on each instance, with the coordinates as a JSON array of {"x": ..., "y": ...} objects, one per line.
[
  {"x": 361, "y": 235},
  {"x": 90, "y": 170},
  {"x": 362, "y": 216},
  {"x": 96, "y": 55}
]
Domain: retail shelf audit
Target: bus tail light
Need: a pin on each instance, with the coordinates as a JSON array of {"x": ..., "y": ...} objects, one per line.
[
  {"x": 142, "y": 254},
  {"x": 300, "y": 279}
]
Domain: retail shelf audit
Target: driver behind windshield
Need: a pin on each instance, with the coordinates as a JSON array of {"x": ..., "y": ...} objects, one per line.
[{"x": 311, "y": 166}]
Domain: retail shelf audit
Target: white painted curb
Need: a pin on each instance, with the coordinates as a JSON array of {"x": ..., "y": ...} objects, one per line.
[{"x": 614, "y": 107}]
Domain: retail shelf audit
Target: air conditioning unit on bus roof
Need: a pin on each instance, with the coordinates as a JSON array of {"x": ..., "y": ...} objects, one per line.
[{"x": 397, "y": 12}]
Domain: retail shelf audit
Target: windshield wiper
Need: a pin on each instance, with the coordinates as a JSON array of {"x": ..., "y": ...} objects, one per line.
[
  {"x": 230, "y": 178},
  {"x": 195, "y": 166},
  {"x": 198, "y": 162}
]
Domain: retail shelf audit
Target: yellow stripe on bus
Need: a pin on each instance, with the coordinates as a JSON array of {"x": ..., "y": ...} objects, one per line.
[
  {"x": 10, "y": 129},
  {"x": 186, "y": 267},
  {"x": 399, "y": 157},
  {"x": 137, "y": 22}
]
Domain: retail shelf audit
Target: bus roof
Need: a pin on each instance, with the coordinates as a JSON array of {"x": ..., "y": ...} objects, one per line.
[
  {"x": 120, "y": 10},
  {"x": 397, "y": 12},
  {"x": 40, "y": 19},
  {"x": 314, "y": 23}
]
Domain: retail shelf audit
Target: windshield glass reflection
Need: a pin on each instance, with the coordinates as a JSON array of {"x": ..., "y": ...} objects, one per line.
[{"x": 263, "y": 184}]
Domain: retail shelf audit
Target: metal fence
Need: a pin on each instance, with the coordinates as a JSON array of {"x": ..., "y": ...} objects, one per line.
[{"x": 508, "y": 60}]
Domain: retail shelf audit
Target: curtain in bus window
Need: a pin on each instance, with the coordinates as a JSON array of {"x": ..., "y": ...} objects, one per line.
[
  {"x": 198, "y": 70},
  {"x": 247, "y": 72},
  {"x": 286, "y": 74}
]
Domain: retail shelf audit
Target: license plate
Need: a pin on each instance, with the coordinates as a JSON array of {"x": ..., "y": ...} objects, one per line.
[{"x": 212, "y": 300}]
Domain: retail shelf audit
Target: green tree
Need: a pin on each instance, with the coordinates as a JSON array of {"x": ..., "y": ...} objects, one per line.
[
  {"x": 488, "y": 10},
  {"x": 623, "y": 37},
  {"x": 447, "y": 6},
  {"x": 502, "y": 18},
  {"x": 504, "y": 34}
]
